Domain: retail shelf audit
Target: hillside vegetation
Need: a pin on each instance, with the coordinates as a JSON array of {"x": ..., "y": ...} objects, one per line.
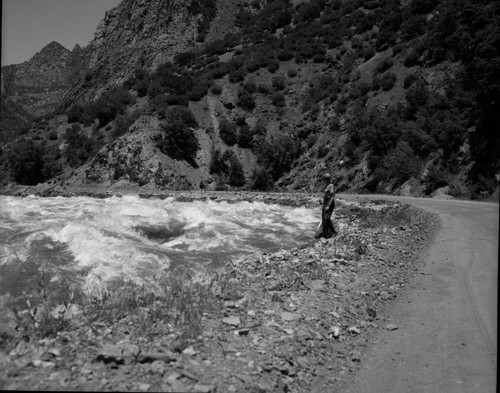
[{"x": 389, "y": 96}]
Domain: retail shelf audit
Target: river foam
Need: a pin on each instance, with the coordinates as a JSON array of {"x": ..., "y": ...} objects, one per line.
[{"x": 134, "y": 237}]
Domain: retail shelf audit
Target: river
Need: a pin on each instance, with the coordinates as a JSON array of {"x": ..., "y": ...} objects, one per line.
[{"x": 134, "y": 238}]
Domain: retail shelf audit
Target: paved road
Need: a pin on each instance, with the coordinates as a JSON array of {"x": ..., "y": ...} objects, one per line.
[{"x": 447, "y": 336}]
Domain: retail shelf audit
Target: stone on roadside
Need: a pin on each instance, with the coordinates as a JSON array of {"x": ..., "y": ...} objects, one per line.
[
  {"x": 316, "y": 285},
  {"x": 43, "y": 364},
  {"x": 232, "y": 321},
  {"x": 190, "y": 351},
  {"x": 61, "y": 377},
  {"x": 164, "y": 356},
  {"x": 335, "y": 331},
  {"x": 143, "y": 387},
  {"x": 118, "y": 353},
  {"x": 289, "y": 316},
  {"x": 4, "y": 359},
  {"x": 204, "y": 388},
  {"x": 355, "y": 356},
  {"x": 158, "y": 367},
  {"x": 371, "y": 312},
  {"x": 354, "y": 330},
  {"x": 277, "y": 298}
]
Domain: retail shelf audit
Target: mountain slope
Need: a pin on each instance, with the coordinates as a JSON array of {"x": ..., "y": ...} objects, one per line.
[{"x": 389, "y": 96}]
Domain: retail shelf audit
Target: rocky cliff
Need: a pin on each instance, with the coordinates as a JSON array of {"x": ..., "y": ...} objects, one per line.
[
  {"x": 37, "y": 85},
  {"x": 137, "y": 34}
]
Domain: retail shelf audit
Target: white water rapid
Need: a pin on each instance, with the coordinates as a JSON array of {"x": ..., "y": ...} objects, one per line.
[{"x": 132, "y": 237}]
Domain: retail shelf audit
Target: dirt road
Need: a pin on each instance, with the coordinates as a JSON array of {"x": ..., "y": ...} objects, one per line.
[{"x": 446, "y": 340}]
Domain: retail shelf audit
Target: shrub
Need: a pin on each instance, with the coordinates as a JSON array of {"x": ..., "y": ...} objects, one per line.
[
  {"x": 52, "y": 136},
  {"x": 261, "y": 180},
  {"x": 75, "y": 113},
  {"x": 236, "y": 174},
  {"x": 245, "y": 136},
  {"x": 273, "y": 66},
  {"x": 228, "y": 167},
  {"x": 25, "y": 162},
  {"x": 217, "y": 164},
  {"x": 173, "y": 99},
  {"x": 237, "y": 75},
  {"x": 179, "y": 140},
  {"x": 185, "y": 58},
  {"x": 368, "y": 53},
  {"x": 51, "y": 166},
  {"x": 292, "y": 73},
  {"x": 241, "y": 121},
  {"x": 411, "y": 58},
  {"x": 398, "y": 165},
  {"x": 436, "y": 177},
  {"x": 263, "y": 88},
  {"x": 362, "y": 88},
  {"x": 319, "y": 58},
  {"x": 285, "y": 55},
  {"x": 160, "y": 105},
  {"x": 384, "y": 65},
  {"x": 320, "y": 88},
  {"x": 80, "y": 148},
  {"x": 216, "y": 90},
  {"x": 314, "y": 110},
  {"x": 278, "y": 99},
  {"x": 413, "y": 27},
  {"x": 250, "y": 86},
  {"x": 122, "y": 124},
  {"x": 410, "y": 79},
  {"x": 111, "y": 104},
  {"x": 311, "y": 140},
  {"x": 278, "y": 154},
  {"x": 416, "y": 96},
  {"x": 388, "y": 80},
  {"x": 278, "y": 82},
  {"x": 245, "y": 100},
  {"x": 228, "y": 132}
]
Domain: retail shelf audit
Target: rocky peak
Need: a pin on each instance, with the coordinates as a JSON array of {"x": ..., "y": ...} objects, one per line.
[
  {"x": 77, "y": 49},
  {"x": 38, "y": 84},
  {"x": 49, "y": 53}
]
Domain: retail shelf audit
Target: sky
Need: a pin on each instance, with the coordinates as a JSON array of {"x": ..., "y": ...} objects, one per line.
[{"x": 29, "y": 25}]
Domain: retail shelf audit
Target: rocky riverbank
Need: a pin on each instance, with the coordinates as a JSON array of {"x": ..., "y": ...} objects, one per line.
[{"x": 296, "y": 320}]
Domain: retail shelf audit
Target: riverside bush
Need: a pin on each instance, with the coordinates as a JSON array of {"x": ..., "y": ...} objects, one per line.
[
  {"x": 227, "y": 167},
  {"x": 178, "y": 139},
  {"x": 261, "y": 180}
]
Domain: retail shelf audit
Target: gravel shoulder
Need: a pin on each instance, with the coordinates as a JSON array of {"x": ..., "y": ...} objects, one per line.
[{"x": 292, "y": 321}]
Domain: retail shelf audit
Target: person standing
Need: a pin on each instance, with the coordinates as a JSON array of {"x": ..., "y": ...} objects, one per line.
[{"x": 327, "y": 229}]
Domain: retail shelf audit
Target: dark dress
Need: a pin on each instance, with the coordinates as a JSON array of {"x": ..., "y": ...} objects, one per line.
[{"x": 327, "y": 229}]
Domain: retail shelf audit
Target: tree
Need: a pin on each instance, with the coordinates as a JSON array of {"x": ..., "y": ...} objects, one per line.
[
  {"x": 25, "y": 161},
  {"x": 245, "y": 100},
  {"x": 399, "y": 165},
  {"x": 227, "y": 132},
  {"x": 261, "y": 180},
  {"x": 179, "y": 140},
  {"x": 416, "y": 96},
  {"x": 236, "y": 174}
]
